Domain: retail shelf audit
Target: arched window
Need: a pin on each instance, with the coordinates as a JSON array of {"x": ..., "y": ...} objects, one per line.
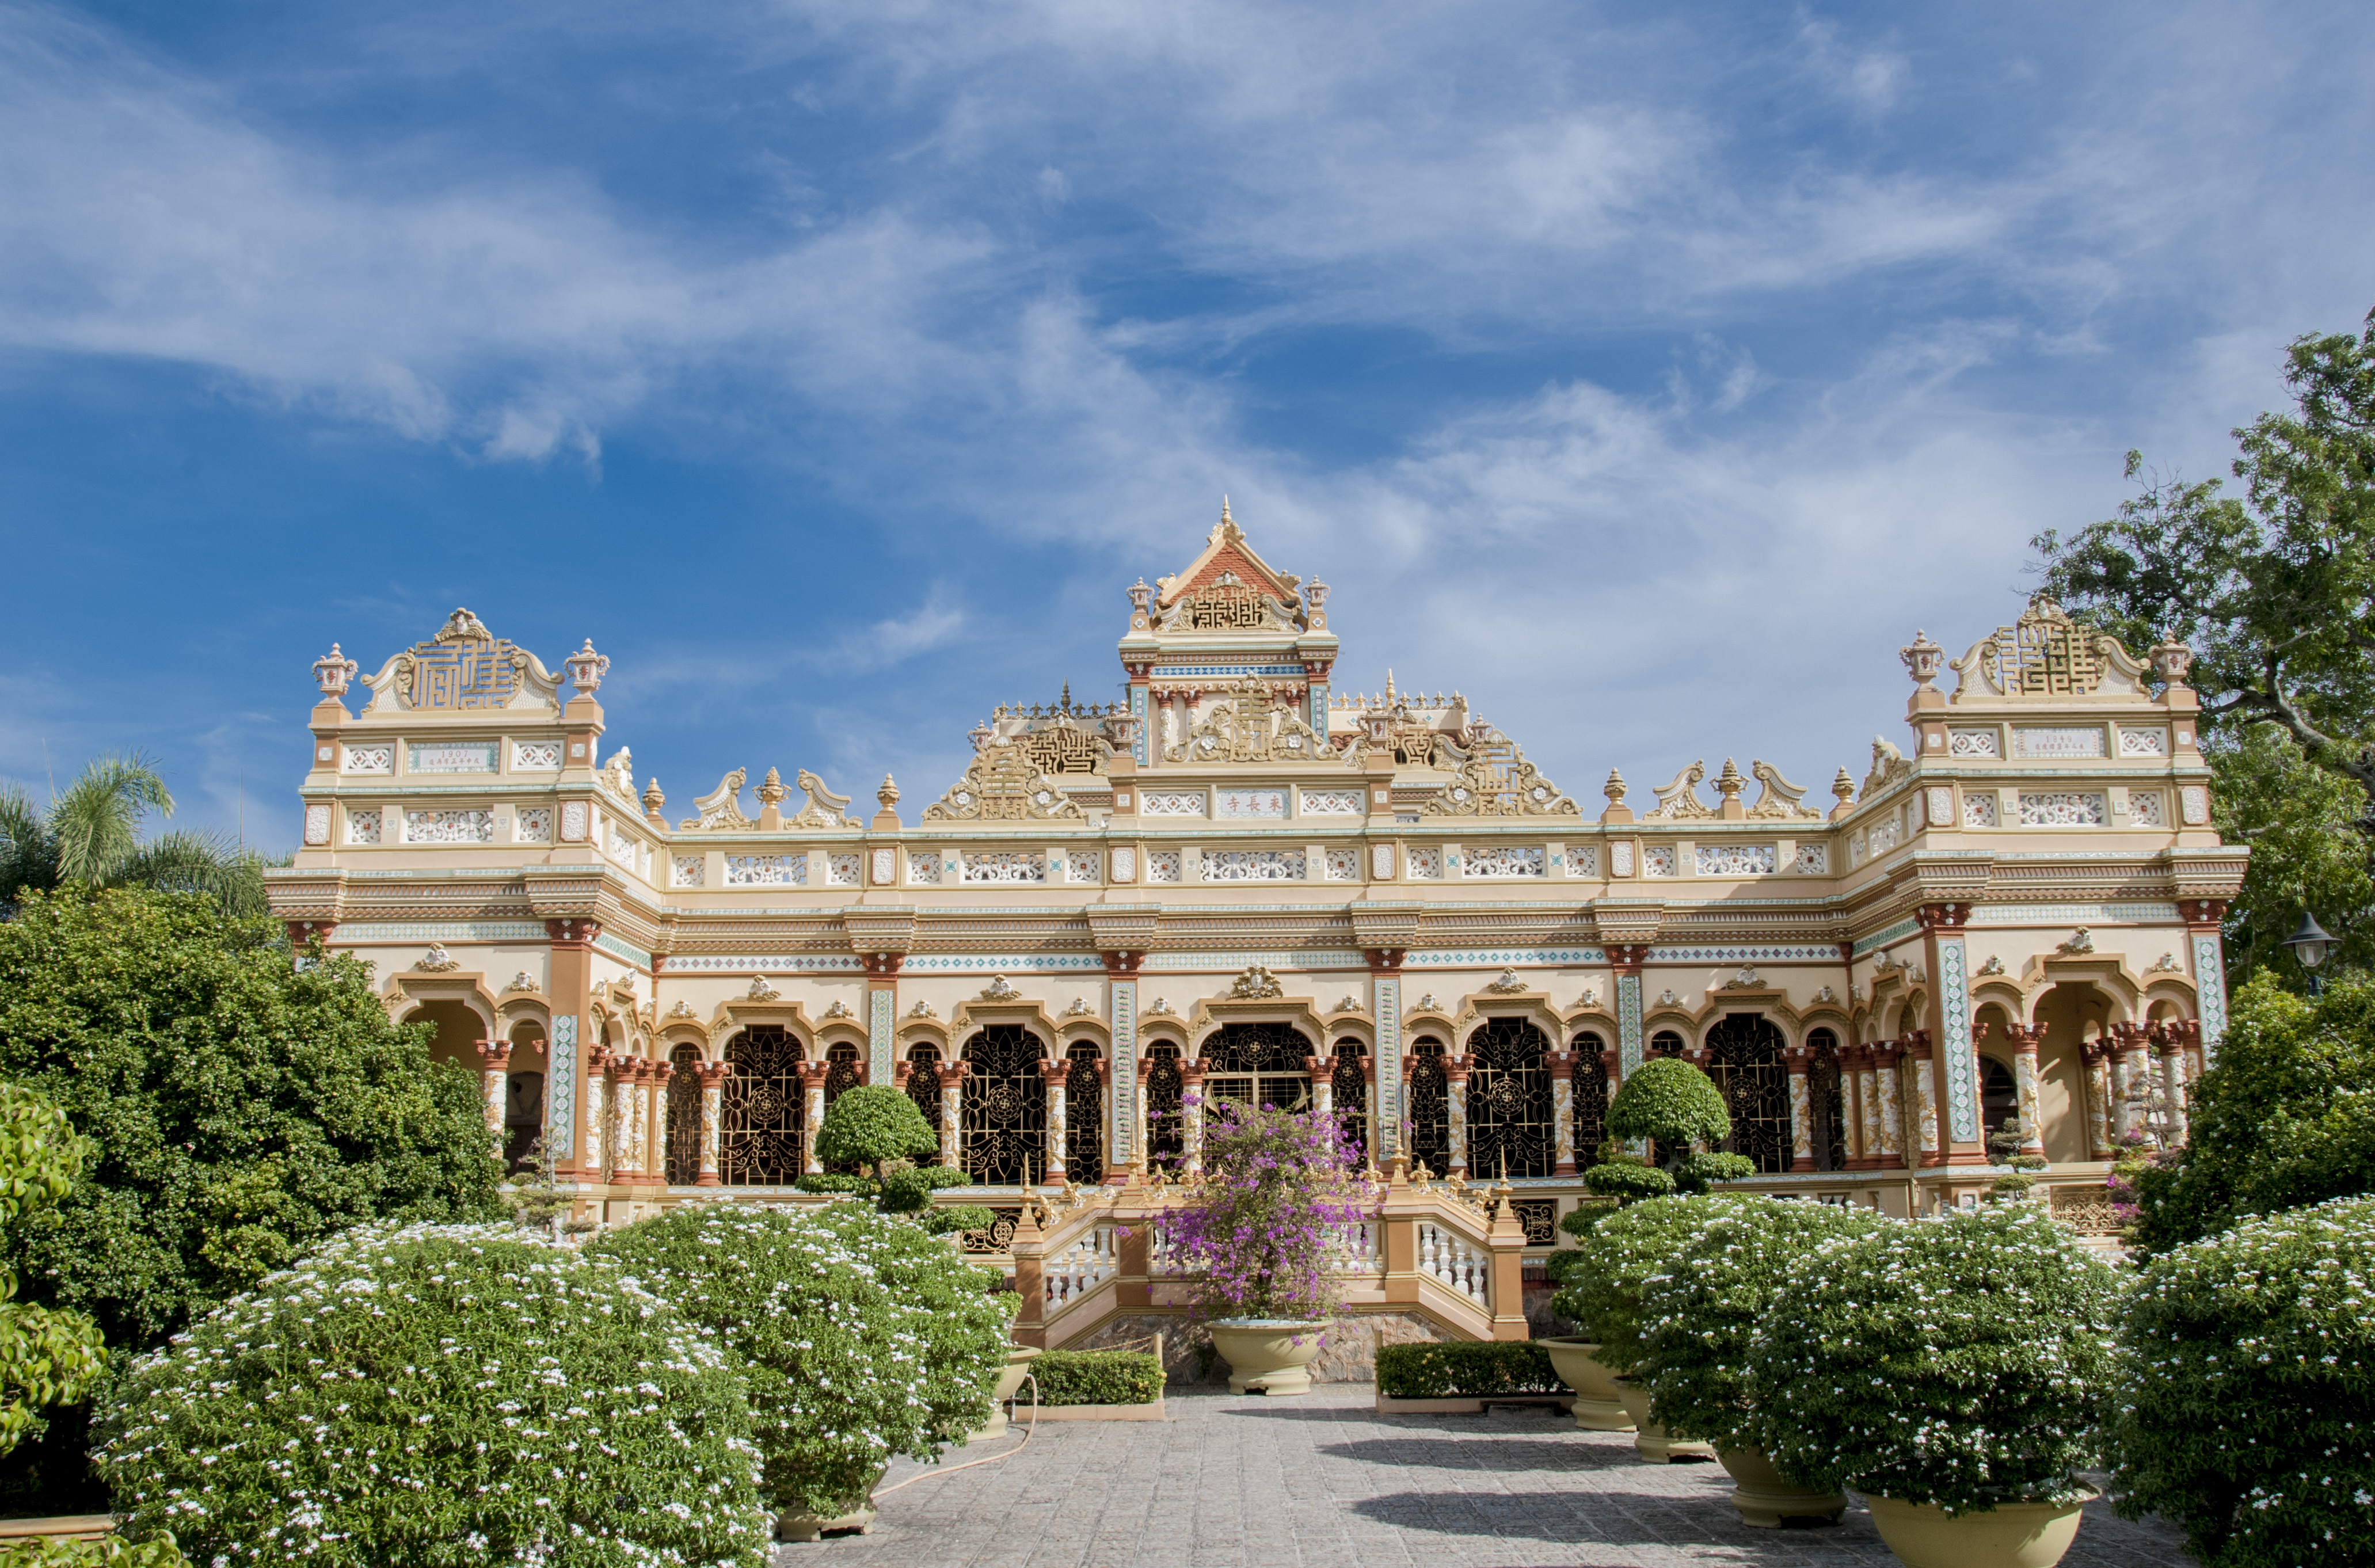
[
  {"x": 1428, "y": 1109},
  {"x": 923, "y": 1089},
  {"x": 1167, "y": 1134},
  {"x": 684, "y": 1115},
  {"x": 1665, "y": 1042},
  {"x": 1829, "y": 1095},
  {"x": 1258, "y": 1063},
  {"x": 1998, "y": 1096},
  {"x": 1348, "y": 1088},
  {"x": 762, "y": 1109},
  {"x": 1747, "y": 1052},
  {"x": 1590, "y": 1102},
  {"x": 1005, "y": 1108},
  {"x": 1084, "y": 1116},
  {"x": 840, "y": 1074},
  {"x": 1508, "y": 1100}
]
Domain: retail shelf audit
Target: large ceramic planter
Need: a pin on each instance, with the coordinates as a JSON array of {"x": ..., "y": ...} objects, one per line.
[
  {"x": 1650, "y": 1440},
  {"x": 855, "y": 1518},
  {"x": 1766, "y": 1497},
  {"x": 1268, "y": 1355},
  {"x": 2009, "y": 1535},
  {"x": 1009, "y": 1380},
  {"x": 1597, "y": 1407}
]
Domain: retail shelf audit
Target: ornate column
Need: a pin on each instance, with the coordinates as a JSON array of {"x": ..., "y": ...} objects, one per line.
[
  {"x": 1628, "y": 957},
  {"x": 1926, "y": 1116},
  {"x": 1455, "y": 1096},
  {"x": 2095, "y": 1054},
  {"x": 1858, "y": 1106},
  {"x": 1798, "y": 1058},
  {"x": 1127, "y": 1139},
  {"x": 1386, "y": 1108},
  {"x": 2169, "y": 1045},
  {"x": 2128, "y": 1079},
  {"x": 1612, "y": 1063},
  {"x": 812, "y": 1076},
  {"x": 713, "y": 1089},
  {"x": 1961, "y": 1140},
  {"x": 657, "y": 1167},
  {"x": 1561, "y": 1065},
  {"x": 1191, "y": 1113},
  {"x": 952, "y": 1076},
  {"x": 494, "y": 1063},
  {"x": 1323, "y": 1084},
  {"x": 2027, "y": 1081},
  {"x": 1051, "y": 1165},
  {"x": 574, "y": 1119},
  {"x": 1888, "y": 1099},
  {"x": 882, "y": 983},
  {"x": 1084, "y": 1099},
  {"x": 639, "y": 1116},
  {"x": 2203, "y": 920}
]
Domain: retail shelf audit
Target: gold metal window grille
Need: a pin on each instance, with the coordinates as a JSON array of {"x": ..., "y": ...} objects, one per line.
[
  {"x": 1509, "y": 1129},
  {"x": 1004, "y": 1112},
  {"x": 762, "y": 1109}
]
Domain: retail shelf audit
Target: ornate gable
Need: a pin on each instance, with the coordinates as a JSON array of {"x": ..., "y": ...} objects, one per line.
[
  {"x": 1003, "y": 786},
  {"x": 1229, "y": 588},
  {"x": 1498, "y": 781},
  {"x": 464, "y": 668}
]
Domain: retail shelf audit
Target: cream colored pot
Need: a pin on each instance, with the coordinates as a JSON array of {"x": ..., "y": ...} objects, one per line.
[
  {"x": 1652, "y": 1442},
  {"x": 2009, "y": 1535},
  {"x": 1597, "y": 1407},
  {"x": 1009, "y": 1380},
  {"x": 1266, "y": 1356},
  {"x": 1766, "y": 1497}
]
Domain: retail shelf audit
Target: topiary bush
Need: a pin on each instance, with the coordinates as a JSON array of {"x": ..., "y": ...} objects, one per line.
[
  {"x": 1668, "y": 1100},
  {"x": 1451, "y": 1369},
  {"x": 1962, "y": 1361},
  {"x": 2247, "y": 1380},
  {"x": 448, "y": 1394},
  {"x": 907, "y": 1188},
  {"x": 1699, "y": 1171},
  {"x": 1098, "y": 1378},
  {"x": 870, "y": 1125},
  {"x": 1626, "y": 1181},
  {"x": 861, "y": 1334},
  {"x": 1700, "y": 1311},
  {"x": 1603, "y": 1298}
]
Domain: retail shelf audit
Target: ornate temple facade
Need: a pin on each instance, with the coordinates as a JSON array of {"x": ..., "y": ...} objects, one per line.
[{"x": 1242, "y": 882}]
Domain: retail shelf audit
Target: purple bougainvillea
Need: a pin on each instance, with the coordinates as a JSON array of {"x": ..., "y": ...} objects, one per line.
[{"x": 1265, "y": 1226}]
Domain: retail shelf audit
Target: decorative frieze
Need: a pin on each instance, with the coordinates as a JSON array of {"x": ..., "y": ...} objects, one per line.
[
  {"x": 2144, "y": 810},
  {"x": 317, "y": 823},
  {"x": 1081, "y": 865},
  {"x": 450, "y": 757},
  {"x": 1162, "y": 866},
  {"x": 1332, "y": 803},
  {"x": 1249, "y": 803},
  {"x": 2063, "y": 808},
  {"x": 1735, "y": 859},
  {"x": 1505, "y": 860},
  {"x": 689, "y": 871},
  {"x": 1343, "y": 865},
  {"x": 1171, "y": 802},
  {"x": 2142, "y": 742},
  {"x": 1381, "y": 862},
  {"x": 924, "y": 867},
  {"x": 1658, "y": 860},
  {"x": 1125, "y": 865},
  {"x": 1423, "y": 862},
  {"x": 2194, "y": 805},
  {"x": 1004, "y": 865},
  {"x": 368, "y": 760},
  {"x": 1582, "y": 860},
  {"x": 363, "y": 824},
  {"x": 1252, "y": 866},
  {"x": 842, "y": 871},
  {"x": 536, "y": 756},
  {"x": 766, "y": 871},
  {"x": 1973, "y": 743},
  {"x": 449, "y": 827},
  {"x": 1979, "y": 808},
  {"x": 1813, "y": 860}
]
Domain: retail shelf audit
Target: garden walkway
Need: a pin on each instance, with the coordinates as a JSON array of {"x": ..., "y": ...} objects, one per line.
[{"x": 1321, "y": 1481}]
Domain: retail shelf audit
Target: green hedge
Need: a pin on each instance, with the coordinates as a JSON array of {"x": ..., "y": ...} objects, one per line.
[
  {"x": 1098, "y": 1378},
  {"x": 1465, "y": 1370}
]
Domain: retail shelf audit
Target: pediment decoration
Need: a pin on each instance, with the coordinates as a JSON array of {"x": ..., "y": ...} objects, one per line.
[
  {"x": 1253, "y": 727},
  {"x": 1257, "y": 984},
  {"x": 618, "y": 775},
  {"x": 721, "y": 809},
  {"x": 464, "y": 668},
  {"x": 1003, "y": 786},
  {"x": 1498, "y": 781},
  {"x": 1229, "y": 588},
  {"x": 1679, "y": 800},
  {"x": 1781, "y": 799},
  {"x": 1888, "y": 766},
  {"x": 2046, "y": 653},
  {"x": 824, "y": 808},
  {"x": 1063, "y": 746}
]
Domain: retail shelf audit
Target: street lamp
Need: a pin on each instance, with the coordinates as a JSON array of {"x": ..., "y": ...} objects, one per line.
[{"x": 2308, "y": 945}]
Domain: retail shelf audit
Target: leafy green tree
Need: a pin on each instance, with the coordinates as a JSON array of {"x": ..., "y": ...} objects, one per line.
[
  {"x": 2301, "y": 822},
  {"x": 91, "y": 834},
  {"x": 239, "y": 1108},
  {"x": 2273, "y": 589},
  {"x": 2286, "y": 1119},
  {"x": 870, "y": 1125},
  {"x": 46, "y": 1357}
]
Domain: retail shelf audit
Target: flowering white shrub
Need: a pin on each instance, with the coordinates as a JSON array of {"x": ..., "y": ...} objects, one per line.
[
  {"x": 439, "y": 1394},
  {"x": 1703, "y": 1303},
  {"x": 1618, "y": 1254},
  {"x": 1962, "y": 1361},
  {"x": 2248, "y": 1385},
  {"x": 861, "y": 1334}
]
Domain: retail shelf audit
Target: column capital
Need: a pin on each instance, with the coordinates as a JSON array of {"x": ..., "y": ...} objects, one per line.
[
  {"x": 1628, "y": 958},
  {"x": 1561, "y": 1063},
  {"x": 303, "y": 934},
  {"x": 572, "y": 931},
  {"x": 711, "y": 1074},
  {"x": 812, "y": 1073},
  {"x": 951, "y": 1074},
  {"x": 882, "y": 965},
  {"x": 1385, "y": 961},
  {"x": 1798, "y": 1059},
  {"x": 2200, "y": 913},
  {"x": 494, "y": 1055},
  {"x": 1943, "y": 916},
  {"x": 1191, "y": 1071},
  {"x": 1122, "y": 964},
  {"x": 1456, "y": 1069},
  {"x": 1056, "y": 1069}
]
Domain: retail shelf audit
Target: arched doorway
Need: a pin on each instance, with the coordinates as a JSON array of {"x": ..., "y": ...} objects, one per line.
[
  {"x": 1827, "y": 1092},
  {"x": 1590, "y": 1105},
  {"x": 1258, "y": 1063},
  {"x": 1509, "y": 1130},
  {"x": 762, "y": 1109},
  {"x": 684, "y": 1115},
  {"x": 1999, "y": 1097},
  {"x": 1004, "y": 1117},
  {"x": 1084, "y": 1115},
  {"x": 923, "y": 1089},
  {"x": 1347, "y": 1091},
  {"x": 523, "y": 1095},
  {"x": 1166, "y": 1131},
  {"x": 1746, "y": 1052},
  {"x": 2068, "y": 1014},
  {"x": 1428, "y": 1108}
]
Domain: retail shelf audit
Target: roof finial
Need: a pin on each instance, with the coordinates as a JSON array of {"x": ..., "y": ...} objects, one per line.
[{"x": 1225, "y": 508}]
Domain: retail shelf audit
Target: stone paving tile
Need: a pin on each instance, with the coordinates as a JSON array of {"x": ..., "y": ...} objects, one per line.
[{"x": 1323, "y": 1481}]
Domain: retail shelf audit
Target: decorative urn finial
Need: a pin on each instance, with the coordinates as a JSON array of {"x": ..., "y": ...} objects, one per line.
[
  {"x": 587, "y": 669},
  {"x": 1613, "y": 788},
  {"x": 333, "y": 671},
  {"x": 1843, "y": 786},
  {"x": 1921, "y": 658},
  {"x": 2172, "y": 661},
  {"x": 653, "y": 798},
  {"x": 771, "y": 790},
  {"x": 1728, "y": 783},
  {"x": 888, "y": 795}
]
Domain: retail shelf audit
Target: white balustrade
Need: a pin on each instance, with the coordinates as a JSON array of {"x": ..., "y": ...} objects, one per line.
[
  {"x": 1452, "y": 1259},
  {"x": 1083, "y": 1266},
  {"x": 1357, "y": 1248}
]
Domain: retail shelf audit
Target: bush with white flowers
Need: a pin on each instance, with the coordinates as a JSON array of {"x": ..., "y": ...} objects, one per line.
[
  {"x": 1618, "y": 1256},
  {"x": 1963, "y": 1360},
  {"x": 2248, "y": 1390},
  {"x": 440, "y": 1395},
  {"x": 861, "y": 1335}
]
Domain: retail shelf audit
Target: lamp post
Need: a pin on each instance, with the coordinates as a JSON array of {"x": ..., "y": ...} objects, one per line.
[{"x": 2308, "y": 945}]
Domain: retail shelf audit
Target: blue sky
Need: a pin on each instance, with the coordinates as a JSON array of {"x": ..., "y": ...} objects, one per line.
[{"x": 1648, "y": 373}]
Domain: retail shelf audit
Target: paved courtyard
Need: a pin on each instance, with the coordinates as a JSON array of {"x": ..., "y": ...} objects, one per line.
[{"x": 1322, "y": 1481}]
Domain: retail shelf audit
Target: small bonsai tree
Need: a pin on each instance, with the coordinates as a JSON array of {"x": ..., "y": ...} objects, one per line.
[
  {"x": 1961, "y": 1361},
  {"x": 1696, "y": 1319},
  {"x": 46, "y": 1357},
  {"x": 1671, "y": 1104},
  {"x": 2245, "y": 1407},
  {"x": 1260, "y": 1238},
  {"x": 871, "y": 1125},
  {"x": 859, "y": 1334},
  {"x": 460, "y": 1394},
  {"x": 1602, "y": 1297}
]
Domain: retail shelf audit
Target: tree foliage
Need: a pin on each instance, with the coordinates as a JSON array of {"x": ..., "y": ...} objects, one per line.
[
  {"x": 871, "y": 1124},
  {"x": 1671, "y": 1102},
  {"x": 2286, "y": 1119},
  {"x": 2301, "y": 822},
  {"x": 91, "y": 834},
  {"x": 46, "y": 1357},
  {"x": 1618, "y": 1256},
  {"x": 239, "y": 1109}
]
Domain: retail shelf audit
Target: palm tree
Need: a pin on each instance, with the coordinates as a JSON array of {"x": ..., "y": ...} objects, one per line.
[{"x": 91, "y": 835}]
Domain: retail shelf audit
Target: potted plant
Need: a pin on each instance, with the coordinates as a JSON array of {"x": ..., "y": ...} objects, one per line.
[
  {"x": 1258, "y": 1233},
  {"x": 859, "y": 1335},
  {"x": 1953, "y": 1370},
  {"x": 1602, "y": 1297},
  {"x": 1697, "y": 1317},
  {"x": 2245, "y": 1404}
]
